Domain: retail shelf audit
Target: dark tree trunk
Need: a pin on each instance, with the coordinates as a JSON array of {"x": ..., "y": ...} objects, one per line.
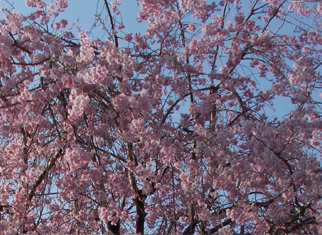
[{"x": 140, "y": 215}]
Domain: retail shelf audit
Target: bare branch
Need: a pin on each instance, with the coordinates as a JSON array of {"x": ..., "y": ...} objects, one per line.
[{"x": 112, "y": 23}]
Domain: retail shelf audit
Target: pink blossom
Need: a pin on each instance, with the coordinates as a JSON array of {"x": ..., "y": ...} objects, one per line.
[{"x": 203, "y": 117}]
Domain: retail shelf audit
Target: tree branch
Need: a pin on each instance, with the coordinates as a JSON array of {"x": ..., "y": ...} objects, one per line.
[
  {"x": 191, "y": 228},
  {"x": 221, "y": 225},
  {"x": 42, "y": 176},
  {"x": 112, "y": 23}
]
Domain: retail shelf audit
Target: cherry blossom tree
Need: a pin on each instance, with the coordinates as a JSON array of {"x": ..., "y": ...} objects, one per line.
[{"x": 173, "y": 127}]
